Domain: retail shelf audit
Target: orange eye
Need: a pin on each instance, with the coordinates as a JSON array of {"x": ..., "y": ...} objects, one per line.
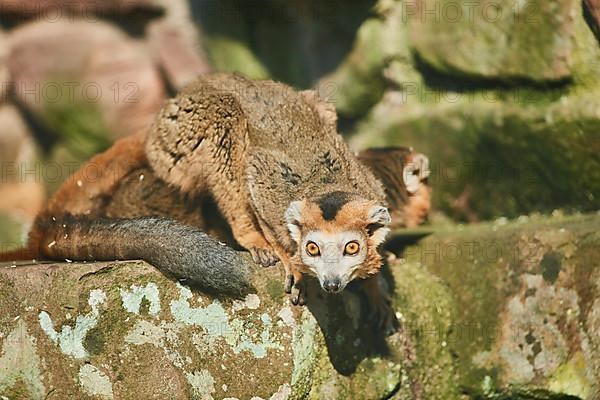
[
  {"x": 312, "y": 249},
  {"x": 351, "y": 248}
]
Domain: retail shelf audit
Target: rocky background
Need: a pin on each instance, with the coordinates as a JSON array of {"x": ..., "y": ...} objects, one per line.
[{"x": 502, "y": 95}]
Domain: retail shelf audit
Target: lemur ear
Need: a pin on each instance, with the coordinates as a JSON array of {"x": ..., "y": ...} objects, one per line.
[
  {"x": 378, "y": 219},
  {"x": 415, "y": 172},
  {"x": 293, "y": 219}
]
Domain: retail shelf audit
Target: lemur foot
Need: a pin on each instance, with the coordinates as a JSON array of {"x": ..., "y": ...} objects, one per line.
[
  {"x": 296, "y": 290},
  {"x": 383, "y": 316},
  {"x": 264, "y": 257},
  {"x": 289, "y": 282}
]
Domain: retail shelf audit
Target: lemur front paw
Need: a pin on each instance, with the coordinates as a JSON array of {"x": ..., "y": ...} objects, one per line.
[
  {"x": 383, "y": 316},
  {"x": 296, "y": 289},
  {"x": 264, "y": 257}
]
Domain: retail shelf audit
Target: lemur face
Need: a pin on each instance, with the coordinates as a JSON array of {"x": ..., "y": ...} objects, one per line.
[
  {"x": 333, "y": 257},
  {"x": 337, "y": 237}
]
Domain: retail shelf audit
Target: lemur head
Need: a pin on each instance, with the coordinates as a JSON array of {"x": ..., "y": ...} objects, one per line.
[{"x": 337, "y": 237}]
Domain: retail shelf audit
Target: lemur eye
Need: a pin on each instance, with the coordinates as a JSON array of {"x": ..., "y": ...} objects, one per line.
[
  {"x": 351, "y": 248},
  {"x": 312, "y": 249}
]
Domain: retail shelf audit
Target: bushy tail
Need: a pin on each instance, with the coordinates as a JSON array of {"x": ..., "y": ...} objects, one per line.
[{"x": 175, "y": 249}]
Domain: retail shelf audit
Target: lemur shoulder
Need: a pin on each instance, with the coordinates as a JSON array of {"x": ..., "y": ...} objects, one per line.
[{"x": 269, "y": 161}]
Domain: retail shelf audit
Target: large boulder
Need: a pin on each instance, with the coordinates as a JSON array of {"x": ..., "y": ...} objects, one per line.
[
  {"x": 84, "y": 79},
  {"x": 177, "y": 44},
  {"x": 528, "y": 299},
  {"x": 122, "y": 330},
  {"x": 500, "y": 40},
  {"x": 504, "y": 310},
  {"x": 18, "y": 11},
  {"x": 496, "y": 148},
  {"x": 490, "y": 157},
  {"x": 380, "y": 57}
]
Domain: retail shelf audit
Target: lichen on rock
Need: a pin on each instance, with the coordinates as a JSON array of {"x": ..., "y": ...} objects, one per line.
[{"x": 517, "y": 322}]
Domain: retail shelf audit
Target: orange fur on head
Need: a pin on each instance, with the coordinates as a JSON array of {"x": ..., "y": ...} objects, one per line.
[{"x": 365, "y": 216}]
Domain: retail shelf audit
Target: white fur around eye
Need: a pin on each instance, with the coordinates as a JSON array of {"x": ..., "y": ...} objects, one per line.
[{"x": 332, "y": 261}]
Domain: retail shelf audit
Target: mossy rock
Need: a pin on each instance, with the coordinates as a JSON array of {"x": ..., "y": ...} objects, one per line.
[
  {"x": 491, "y": 158},
  {"x": 231, "y": 55},
  {"x": 496, "y": 148},
  {"x": 358, "y": 84},
  {"x": 500, "y": 40},
  {"x": 514, "y": 315},
  {"x": 124, "y": 330},
  {"x": 526, "y": 291}
]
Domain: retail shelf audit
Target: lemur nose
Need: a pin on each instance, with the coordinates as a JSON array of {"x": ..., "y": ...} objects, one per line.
[{"x": 332, "y": 286}]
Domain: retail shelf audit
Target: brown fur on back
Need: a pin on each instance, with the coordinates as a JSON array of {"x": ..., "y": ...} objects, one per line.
[
  {"x": 256, "y": 146},
  {"x": 119, "y": 183}
]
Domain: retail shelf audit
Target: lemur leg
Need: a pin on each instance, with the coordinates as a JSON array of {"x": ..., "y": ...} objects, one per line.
[
  {"x": 247, "y": 233},
  {"x": 293, "y": 284},
  {"x": 381, "y": 306},
  {"x": 266, "y": 251}
]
